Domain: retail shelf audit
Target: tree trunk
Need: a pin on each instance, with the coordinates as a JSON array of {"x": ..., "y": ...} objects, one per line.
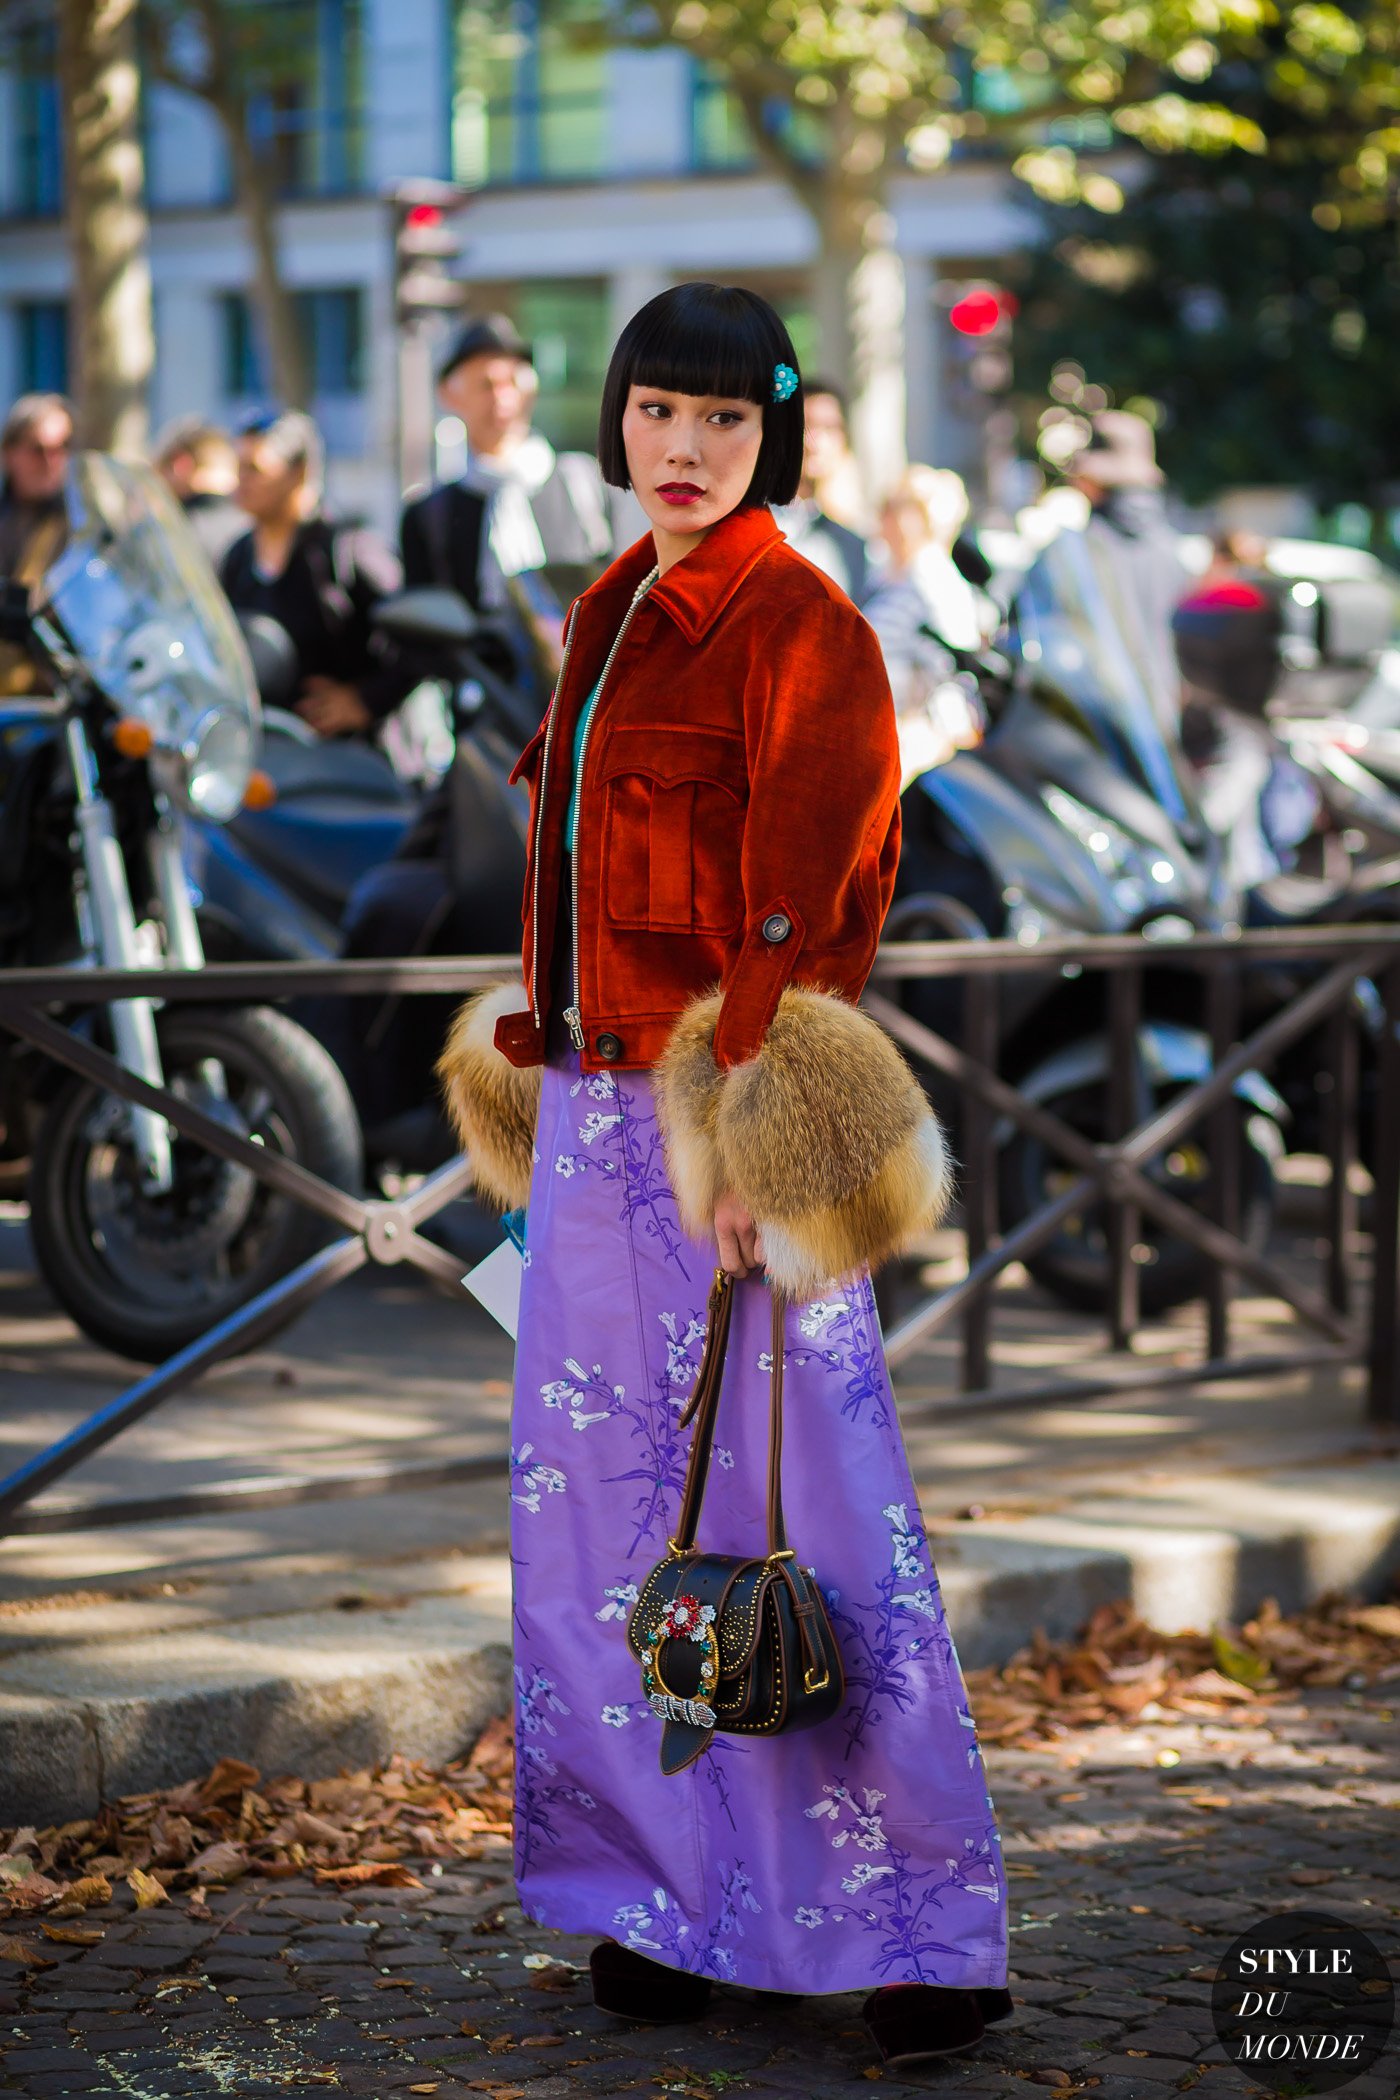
[
  {"x": 857, "y": 279},
  {"x": 253, "y": 187},
  {"x": 112, "y": 329},
  {"x": 858, "y": 286}
]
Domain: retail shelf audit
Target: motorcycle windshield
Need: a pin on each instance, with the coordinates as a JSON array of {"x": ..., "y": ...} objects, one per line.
[
  {"x": 1073, "y": 644},
  {"x": 134, "y": 596}
]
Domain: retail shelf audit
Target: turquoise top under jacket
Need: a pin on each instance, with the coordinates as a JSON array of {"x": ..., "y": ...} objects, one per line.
[{"x": 571, "y": 822}]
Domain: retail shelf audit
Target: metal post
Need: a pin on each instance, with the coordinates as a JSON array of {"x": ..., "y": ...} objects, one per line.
[
  {"x": 1122, "y": 1220},
  {"x": 1383, "y": 1391},
  {"x": 1340, "y": 1105},
  {"x": 1223, "y": 1152},
  {"x": 979, "y": 1198}
]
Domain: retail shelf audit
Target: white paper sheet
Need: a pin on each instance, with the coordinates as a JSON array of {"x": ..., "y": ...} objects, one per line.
[{"x": 496, "y": 1282}]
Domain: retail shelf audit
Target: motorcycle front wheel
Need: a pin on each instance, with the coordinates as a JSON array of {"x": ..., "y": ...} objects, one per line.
[{"x": 144, "y": 1272}]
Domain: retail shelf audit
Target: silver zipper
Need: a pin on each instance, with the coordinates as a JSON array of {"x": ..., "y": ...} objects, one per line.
[
  {"x": 573, "y": 1015},
  {"x": 539, "y": 817}
]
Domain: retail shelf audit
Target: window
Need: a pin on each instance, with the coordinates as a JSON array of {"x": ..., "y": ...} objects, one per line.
[
  {"x": 42, "y": 327},
  {"x": 533, "y": 102},
  {"x": 566, "y": 322},
  {"x": 332, "y": 324},
  {"x": 719, "y": 136},
  {"x": 302, "y": 60},
  {"x": 531, "y": 98},
  {"x": 37, "y": 142}
]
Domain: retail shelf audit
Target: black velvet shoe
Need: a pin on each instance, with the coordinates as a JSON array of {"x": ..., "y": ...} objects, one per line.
[
  {"x": 910, "y": 2021},
  {"x": 627, "y": 1984},
  {"x": 994, "y": 2003}
]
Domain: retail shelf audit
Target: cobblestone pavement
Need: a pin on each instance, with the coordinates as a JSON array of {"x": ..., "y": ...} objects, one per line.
[{"x": 1129, "y": 1877}]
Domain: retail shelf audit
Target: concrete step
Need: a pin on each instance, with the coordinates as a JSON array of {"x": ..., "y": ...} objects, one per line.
[{"x": 311, "y": 1670}]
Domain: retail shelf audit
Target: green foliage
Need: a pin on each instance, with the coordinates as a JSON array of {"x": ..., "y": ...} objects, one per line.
[
  {"x": 1259, "y": 330},
  {"x": 1164, "y": 73}
]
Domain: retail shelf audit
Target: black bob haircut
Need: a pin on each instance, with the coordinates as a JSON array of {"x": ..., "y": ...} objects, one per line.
[{"x": 709, "y": 339}]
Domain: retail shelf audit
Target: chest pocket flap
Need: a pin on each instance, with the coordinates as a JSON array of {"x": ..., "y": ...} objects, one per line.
[
  {"x": 669, "y": 755},
  {"x": 674, "y": 815}
]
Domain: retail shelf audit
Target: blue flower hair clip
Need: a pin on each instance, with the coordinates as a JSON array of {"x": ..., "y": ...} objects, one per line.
[{"x": 785, "y": 382}]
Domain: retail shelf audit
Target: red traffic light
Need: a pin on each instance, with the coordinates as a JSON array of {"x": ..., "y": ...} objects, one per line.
[
  {"x": 423, "y": 215},
  {"x": 981, "y": 310}
]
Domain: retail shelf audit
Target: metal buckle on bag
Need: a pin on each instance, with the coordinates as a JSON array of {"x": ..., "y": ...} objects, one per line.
[
  {"x": 820, "y": 1685},
  {"x": 783, "y": 1553}
]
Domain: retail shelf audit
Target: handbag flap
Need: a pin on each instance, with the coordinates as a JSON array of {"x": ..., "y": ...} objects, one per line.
[{"x": 710, "y": 1578}]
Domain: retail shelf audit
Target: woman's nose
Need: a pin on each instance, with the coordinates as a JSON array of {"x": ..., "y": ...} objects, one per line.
[{"x": 684, "y": 445}]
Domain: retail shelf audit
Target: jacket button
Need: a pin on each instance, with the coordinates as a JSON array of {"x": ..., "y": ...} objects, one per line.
[
  {"x": 777, "y": 926},
  {"x": 609, "y": 1046}
]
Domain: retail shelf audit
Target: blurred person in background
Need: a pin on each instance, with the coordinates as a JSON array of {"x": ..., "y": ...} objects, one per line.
[
  {"x": 1141, "y": 564},
  {"x": 520, "y": 506},
  {"x": 198, "y": 463},
  {"x": 833, "y": 547},
  {"x": 921, "y": 585},
  {"x": 36, "y": 444},
  {"x": 319, "y": 580},
  {"x": 922, "y": 609}
]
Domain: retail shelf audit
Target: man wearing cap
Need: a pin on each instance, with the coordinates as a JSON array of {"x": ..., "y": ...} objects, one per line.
[{"x": 520, "y": 506}]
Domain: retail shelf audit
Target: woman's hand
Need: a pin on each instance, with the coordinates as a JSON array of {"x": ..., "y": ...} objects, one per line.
[{"x": 740, "y": 1246}]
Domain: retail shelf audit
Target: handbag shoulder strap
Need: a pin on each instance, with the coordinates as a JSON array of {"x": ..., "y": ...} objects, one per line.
[{"x": 703, "y": 1407}]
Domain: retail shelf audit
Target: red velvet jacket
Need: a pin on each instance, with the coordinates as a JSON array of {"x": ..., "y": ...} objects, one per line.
[{"x": 739, "y": 811}]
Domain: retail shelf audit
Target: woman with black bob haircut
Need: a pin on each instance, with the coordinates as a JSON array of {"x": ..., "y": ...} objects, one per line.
[
  {"x": 708, "y": 1139},
  {"x": 712, "y": 339}
]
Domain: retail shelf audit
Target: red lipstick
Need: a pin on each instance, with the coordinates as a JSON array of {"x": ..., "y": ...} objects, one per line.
[{"x": 679, "y": 493}]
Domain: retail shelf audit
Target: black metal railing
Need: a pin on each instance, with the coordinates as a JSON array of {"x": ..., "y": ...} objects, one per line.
[{"x": 1328, "y": 963}]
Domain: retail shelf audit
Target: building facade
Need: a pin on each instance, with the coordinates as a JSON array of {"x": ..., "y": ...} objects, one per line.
[{"x": 597, "y": 178}]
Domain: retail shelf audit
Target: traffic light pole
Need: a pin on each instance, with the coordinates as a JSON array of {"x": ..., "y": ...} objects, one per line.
[
  {"x": 416, "y": 408},
  {"x": 425, "y": 246}
]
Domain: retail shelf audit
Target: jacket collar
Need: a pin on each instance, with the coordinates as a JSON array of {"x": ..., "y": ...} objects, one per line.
[{"x": 696, "y": 589}]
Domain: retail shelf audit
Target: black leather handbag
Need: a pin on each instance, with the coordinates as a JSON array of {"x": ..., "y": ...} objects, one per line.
[{"x": 746, "y": 1646}]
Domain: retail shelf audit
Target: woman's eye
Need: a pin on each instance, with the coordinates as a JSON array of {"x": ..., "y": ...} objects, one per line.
[
  {"x": 726, "y": 417},
  {"x": 655, "y": 409}
]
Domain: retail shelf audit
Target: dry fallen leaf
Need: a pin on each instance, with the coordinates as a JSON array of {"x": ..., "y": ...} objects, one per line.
[
  {"x": 20, "y": 1951},
  {"x": 222, "y": 1862},
  {"x": 75, "y": 1935},
  {"x": 228, "y": 1781},
  {"x": 556, "y": 1977},
  {"x": 146, "y": 1889},
  {"x": 387, "y": 1873},
  {"x": 424, "y": 2088}
]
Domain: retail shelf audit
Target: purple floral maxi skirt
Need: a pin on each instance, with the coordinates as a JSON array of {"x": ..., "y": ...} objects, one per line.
[{"x": 859, "y": 1852}]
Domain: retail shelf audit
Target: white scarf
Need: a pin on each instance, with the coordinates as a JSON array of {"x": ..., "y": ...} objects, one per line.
[{"x": 513, "y": 538}]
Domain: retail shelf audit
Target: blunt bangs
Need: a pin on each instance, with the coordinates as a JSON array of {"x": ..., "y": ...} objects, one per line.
[{"x": 708, "y": 339}]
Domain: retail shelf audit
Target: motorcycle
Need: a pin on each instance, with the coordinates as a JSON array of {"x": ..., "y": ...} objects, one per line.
[{"x": 151, "y": 723}]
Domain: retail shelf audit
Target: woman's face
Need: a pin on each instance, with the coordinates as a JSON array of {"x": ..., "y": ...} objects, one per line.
[{"x": 690, "y": 457}]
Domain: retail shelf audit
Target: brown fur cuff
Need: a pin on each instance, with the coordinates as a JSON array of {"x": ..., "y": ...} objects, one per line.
[
  {"x": 825, "y": 1137},
  {"x": 494, "y": 1105}
]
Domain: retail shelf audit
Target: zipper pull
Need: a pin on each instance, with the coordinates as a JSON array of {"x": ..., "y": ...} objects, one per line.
[{"x": 574, "y": 1022}]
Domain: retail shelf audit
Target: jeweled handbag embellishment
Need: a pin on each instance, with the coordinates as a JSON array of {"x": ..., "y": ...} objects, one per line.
[
  {"x": 729, "y": 1644},
  {"x": 684, "y": 1619}
]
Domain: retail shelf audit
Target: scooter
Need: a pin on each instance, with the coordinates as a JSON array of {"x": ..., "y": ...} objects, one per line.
[
  {"x": 1076, "y": 816},
  {"x": 150, "y": 727},
  {"x": 279, "y": 880}
]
